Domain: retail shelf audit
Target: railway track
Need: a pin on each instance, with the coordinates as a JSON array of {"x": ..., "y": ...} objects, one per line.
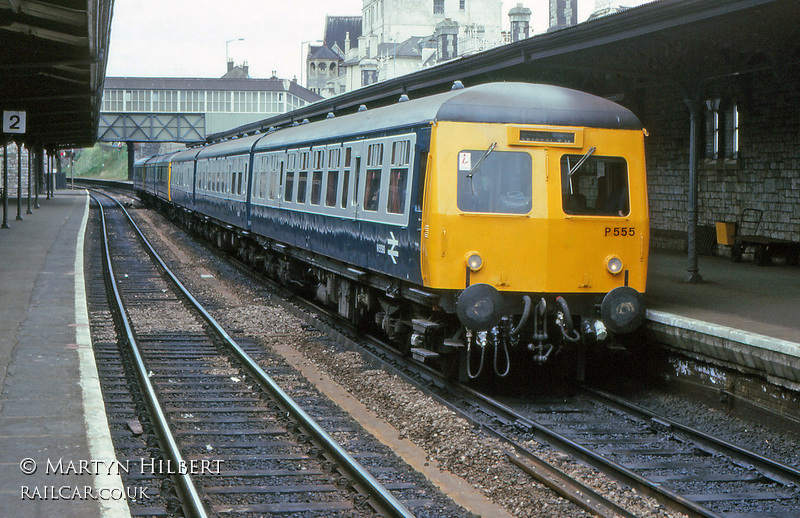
[
  {"x": 686, "y": 472},
  {"x": 205, "y": 430}
]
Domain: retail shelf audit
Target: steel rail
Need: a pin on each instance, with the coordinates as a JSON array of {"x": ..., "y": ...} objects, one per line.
[
  {"x": 665, "y": 496},
  {"x": 568, "y": 487},
  {"x": 770, "y": 468},
  {"x": 379, "y": 497},
  {"x": 190, "y": 498},
  {"x": 508, "y": 416}
]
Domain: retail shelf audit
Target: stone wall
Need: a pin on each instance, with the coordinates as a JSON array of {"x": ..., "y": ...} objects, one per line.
[{"x": 766, "y": 174}]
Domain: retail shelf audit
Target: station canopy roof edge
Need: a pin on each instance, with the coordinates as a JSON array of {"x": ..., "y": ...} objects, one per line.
[
  {"x": 685, "y": 44},
  {"x": 53, "y": 56}
]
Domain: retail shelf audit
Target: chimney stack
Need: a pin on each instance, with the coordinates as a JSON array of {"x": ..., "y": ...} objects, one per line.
[
  {"x": 446, "y": 35},
  {"x": 520, "y": 18}
]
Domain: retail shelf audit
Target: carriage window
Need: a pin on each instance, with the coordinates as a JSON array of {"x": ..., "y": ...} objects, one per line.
[
  {"x": 330, "y": 190},
  {"x": 273, "y": 181},
  {"x": 372, "y": 189},
  {"x": 345, "y": 188},
  {"x": 375, "y": 155},
  {"x": 318, "y": 159},
  {"x": 287, "y": 195},
  {"x": 333, "y": 158},
  {"x": 357, "y": 180},
  {"x": 316, "y": 187},
  {"x": 494, "y": 181},
  {"x": 302, "y": 181},
  {"x": 262, "y": 185},
  {"x": 348, "y": 155},
  {"x": 596, "y": 186},
  {"x": 401, "y": 152},
  {"x": 396, "y": 201}
]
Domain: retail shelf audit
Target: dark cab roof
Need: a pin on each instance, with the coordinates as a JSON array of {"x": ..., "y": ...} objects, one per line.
[{"x": 501, "y": 103}]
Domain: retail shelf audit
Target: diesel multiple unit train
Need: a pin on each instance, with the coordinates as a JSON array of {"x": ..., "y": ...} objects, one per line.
[{"x": 480, "y": 230}]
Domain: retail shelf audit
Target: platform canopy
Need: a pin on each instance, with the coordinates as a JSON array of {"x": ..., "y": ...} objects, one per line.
[{"x": 53, "y": 56}]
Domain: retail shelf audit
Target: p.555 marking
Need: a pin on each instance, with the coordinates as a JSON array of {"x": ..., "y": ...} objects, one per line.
[{"x": 620, "y": 231}]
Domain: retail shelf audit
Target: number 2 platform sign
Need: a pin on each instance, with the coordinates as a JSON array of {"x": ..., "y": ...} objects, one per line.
[{"x": 13, "y": 122}]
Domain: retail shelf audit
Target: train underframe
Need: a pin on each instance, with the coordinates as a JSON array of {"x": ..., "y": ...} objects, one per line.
[{"x": 474, "y": 334}]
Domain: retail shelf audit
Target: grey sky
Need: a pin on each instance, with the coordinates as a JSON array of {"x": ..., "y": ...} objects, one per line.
[{"x": 186, "y": 38}]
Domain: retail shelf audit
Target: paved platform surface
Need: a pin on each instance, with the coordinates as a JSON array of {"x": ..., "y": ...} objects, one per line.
[
  {"x": 764, "y": 300},
  {"x": 741, "y": 316},
  {"x": 51, "y": 412}
]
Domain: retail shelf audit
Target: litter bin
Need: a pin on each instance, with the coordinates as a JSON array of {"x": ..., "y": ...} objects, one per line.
[{"x": 726, "y": 232}]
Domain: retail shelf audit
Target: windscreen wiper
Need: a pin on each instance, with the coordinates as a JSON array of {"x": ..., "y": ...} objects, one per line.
[
  {"x": 478, "y": 164},
  {"x": 485, "y": 155},
  {"x": 581, "y": 161}
]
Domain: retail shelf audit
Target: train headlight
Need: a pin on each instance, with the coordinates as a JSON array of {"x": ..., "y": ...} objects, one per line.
[
  {"x": 474, "y": 261},
  {"x": 613, "y": 264}
]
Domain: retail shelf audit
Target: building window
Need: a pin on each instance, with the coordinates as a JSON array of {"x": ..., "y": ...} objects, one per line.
[
  {"x": 218, "y": 101},
  {"x": 138, "y": 101},
  {"x": 721, "y": 129},
  {"x": 462, "y": 4},
  {"x": 193, "y": 101},
  {"x": 438, "y": 7},
  {"x": 113, "y": 100},
  {"x": 369, "y": 77},
  {"x": 165, "y": 101}
]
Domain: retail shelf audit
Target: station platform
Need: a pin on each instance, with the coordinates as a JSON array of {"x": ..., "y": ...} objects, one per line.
[
  {"x": 51, "y": 411},
  {"x": 743, "y": 315},
  {"x": 53, "y": 429}
]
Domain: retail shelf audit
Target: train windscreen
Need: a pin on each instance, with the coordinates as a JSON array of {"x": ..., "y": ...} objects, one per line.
[
  {"x": 494, "y": 181},
  {"x": 594, "y": 185}
]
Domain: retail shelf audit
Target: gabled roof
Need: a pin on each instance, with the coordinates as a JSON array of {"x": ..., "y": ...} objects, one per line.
[
  {"x": 324, "y": 52},
  {"x": 410, "y": 48},
  {"x": 336, "y": 27}
]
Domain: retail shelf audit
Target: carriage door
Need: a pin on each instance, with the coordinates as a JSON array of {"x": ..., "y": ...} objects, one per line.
[{"x": 353, "y": 175}]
